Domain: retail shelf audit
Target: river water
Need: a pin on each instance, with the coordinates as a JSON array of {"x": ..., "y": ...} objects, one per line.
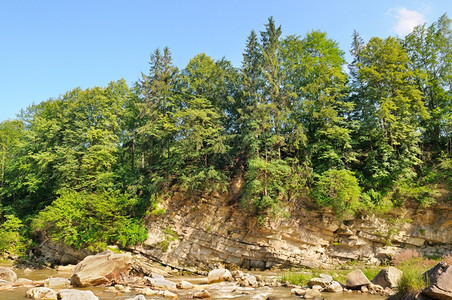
[{"x": 224, "y": 290}]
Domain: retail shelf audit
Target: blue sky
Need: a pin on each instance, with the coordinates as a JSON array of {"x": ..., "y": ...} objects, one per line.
[{"x": 48, "y": 47}]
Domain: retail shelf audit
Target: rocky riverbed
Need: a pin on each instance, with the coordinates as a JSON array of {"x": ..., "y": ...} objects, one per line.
[{"x": 110, "y": 275}]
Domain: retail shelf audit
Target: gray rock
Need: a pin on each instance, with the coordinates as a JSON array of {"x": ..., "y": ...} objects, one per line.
[
  {"x": 356, "y": 279},
  {"x": 137, "y": 297},
  {"x": 334, "y": 287},
  {"x": 168, "y": 294},
  {"x": 7, "y": 274},
  {"x": 41, "y": 293},
  {"x": 184, "y": 285},
  {"x": 24, "y": 281},
  {"x": 388, "y": 277},
  {"x": 101, "y": 268},
  {"x": 156, "y": 276},
  {"x": 323, "y": 280},
  {"x": 201, "y": 294},
  {"x": 161, "y": 283},
  {"x": 72, "y": 294},
  {"x": 298, "y": 292},
  {"x": 312, "y": 294},
  {"x": 57, "y": 283},
  {"x": 219, "y": 275},
  {"x": 440, "y": 280}
]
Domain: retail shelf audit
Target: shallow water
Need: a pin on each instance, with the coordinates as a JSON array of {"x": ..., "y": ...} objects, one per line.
[{"x": 224, "y": 290}]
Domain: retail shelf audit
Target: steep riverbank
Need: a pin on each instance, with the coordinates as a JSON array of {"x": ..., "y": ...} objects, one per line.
[{"x": 205, "y": 232}]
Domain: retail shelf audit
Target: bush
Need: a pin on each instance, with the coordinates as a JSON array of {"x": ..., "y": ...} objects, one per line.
[
  {"x": 12, "y": 242},
  {"x": 81, "y": 220},
  {"x": 340, "y": 190}
]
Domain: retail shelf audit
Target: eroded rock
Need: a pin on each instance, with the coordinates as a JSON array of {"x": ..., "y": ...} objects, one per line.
[
  {"x": 73, "y": 294},
  {"x": 356, "y": 279},
  {"x": 101, "y": 269},
  {"x": 7, "y": 274},
  {"x": 57, "y": 283},
  {"x": 161, "y": 283},
  {"x": 41, "y": 293},
  {"x": 184, "y": 285},
  {"x": 201, "y": 294},
  {"x": 440, "y": 279},
  {"x": 219, "y": 275},
  {"x": 388, "y": 277}
]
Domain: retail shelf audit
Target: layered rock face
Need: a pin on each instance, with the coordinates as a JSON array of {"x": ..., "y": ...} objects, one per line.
[
  {"x": 207, "y": 232},
  {"x": 210, "y": 232}
]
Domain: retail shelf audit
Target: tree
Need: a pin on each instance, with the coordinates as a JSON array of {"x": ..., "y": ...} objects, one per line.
[
  {"x": 391, "y": 107},
  {"x": 430, "y": 52}
]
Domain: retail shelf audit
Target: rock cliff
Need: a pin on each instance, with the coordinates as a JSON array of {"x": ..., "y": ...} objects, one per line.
[{"x": 208, "y": 232}]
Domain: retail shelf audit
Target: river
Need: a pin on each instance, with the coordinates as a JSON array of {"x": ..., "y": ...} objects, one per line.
[{"x": 224, "y": 290}]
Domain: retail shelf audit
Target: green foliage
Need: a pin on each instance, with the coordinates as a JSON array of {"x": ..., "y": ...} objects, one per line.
[
  {"x": 340, "y": 190},
  {"x": 12, "y": 241},
  {"x": 169, "y": 237},
  {"x": 80, "y": 219}
]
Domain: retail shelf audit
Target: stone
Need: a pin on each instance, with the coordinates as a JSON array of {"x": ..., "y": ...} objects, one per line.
[
  {"x": 24, "y": 281},
  {"x": 41, "y": 293},
  {"x": 156, "y": 276},
  {"x": 148, "y": 292},
  {"x": 73, "y": 294},
  {"x": 101, "y": 269},
  {"x": 440, "y": 280},
  {"x": 119, "y": 287},
  {"x": 28, "y": 271},
  {"x": 7, "y": 274},
  {"x": 170, "y": 295},
  {"x": 334, "y": 287},
  {"x": 312, "y": 294},
  {"x": 66, "y": 268},
  {"x": 388, "y": 277},
  {"x": 259, "y": 278},
  {"x": 137, "y": 297},
  {"x": 356, "y": 279},
  {"x": 364, "y": 289},
  {"x": 252, "y": 281},
  {"x": 201, "y": 294},
  {"x": 57, "y": 283},
  {"x": 298, "y": 292},
  {"x": 323, "y": 280},
  {"x": 218, "y": 275},
  {"x": 160, "y": 283},
  {"x": 184, "y": 285}
]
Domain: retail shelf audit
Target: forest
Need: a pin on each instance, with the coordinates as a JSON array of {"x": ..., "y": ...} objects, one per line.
[{"x": 295, "y": 121}]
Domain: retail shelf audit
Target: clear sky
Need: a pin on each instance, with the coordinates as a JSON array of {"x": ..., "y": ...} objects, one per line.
[{"x": 48, "y": 47}]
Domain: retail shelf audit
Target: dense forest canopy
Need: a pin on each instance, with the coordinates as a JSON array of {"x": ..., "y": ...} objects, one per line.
[{"x": 86, "y": 168}]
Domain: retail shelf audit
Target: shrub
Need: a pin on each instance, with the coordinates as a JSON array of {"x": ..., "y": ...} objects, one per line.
[
  {"x": 79, "y": 220},
  {"x": 12, "y": 242},
  {"x": 340, "y": 190}
]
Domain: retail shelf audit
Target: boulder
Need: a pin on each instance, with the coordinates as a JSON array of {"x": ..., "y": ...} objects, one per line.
[
  {"x": 101, "y": 268},
  {"x": 72, "y": 294},
  {"x": 7, "y": 274},
  {"x": 41, "y": 293},
  {"x": 184, "y": 285},
  {"x": 160, "y": 283},
  {"x": 440, "y": 280},
  {"x": 356, "y": 279},
  {"x": 388, "y": 277},
  {"x": 334, "y": 287},
  {"x": 312, "y": 294},
  {"x": 57, "y": 283},
  {"x": 170, "y": 295},
  {"x": 156, "y": 276},
  {"x": 148, "y": 291},
  {"x": 219, "y": 275},
  {"x": 298, "y": 291},
  {"x": 201, "y": 294},
  {"x": 24, "y": 281},
  {"x": 137, "y": 297},
  {"x": 251, "y": 280},
  {"x": 323, "y": 280}
]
